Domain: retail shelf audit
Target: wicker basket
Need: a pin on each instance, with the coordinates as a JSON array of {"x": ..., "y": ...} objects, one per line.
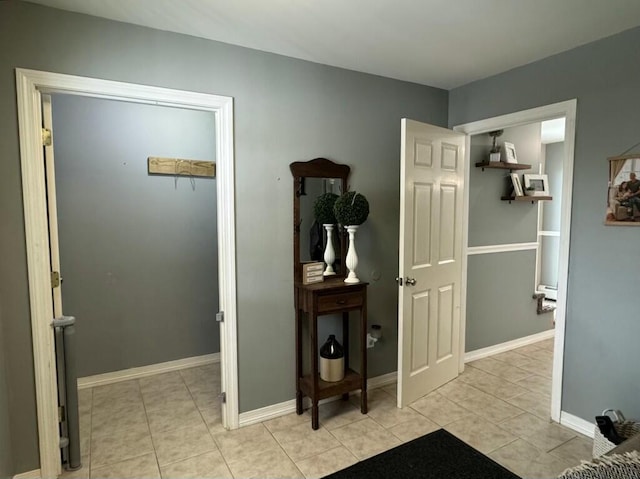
[{"x": 624, "y": 428}]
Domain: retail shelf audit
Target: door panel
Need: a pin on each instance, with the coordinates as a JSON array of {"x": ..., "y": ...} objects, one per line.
[{"x": 430, "y": 253}]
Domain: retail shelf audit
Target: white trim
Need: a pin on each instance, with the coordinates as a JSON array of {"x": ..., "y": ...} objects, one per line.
[
  {"x": 145, "y": 371},
  {"x": 29, "y": 84},
  {"x": 566, "y": 109},
  {"x": 501, "y": 248},
  {"x": 577, "y": 424},
  {"x": 549, "y": 233},
  {"x": 465, "y": 253},
  {"x": 507, "y": 346},
  {"x": 35, "y": 474},
  {"x": 287, "y": 407}
]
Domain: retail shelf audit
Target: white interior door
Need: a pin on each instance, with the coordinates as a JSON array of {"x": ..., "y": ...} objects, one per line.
[{"x": 431, "y": 206}]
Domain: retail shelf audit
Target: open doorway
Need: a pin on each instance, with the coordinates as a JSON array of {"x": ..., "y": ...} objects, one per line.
[
  {"x": 481, "y": 243},
  {"x": 30, "y": 87},
  {"x": 139, "y": 258}
]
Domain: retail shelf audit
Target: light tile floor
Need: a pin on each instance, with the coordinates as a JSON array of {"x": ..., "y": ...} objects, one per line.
[{"x": 169, "y": 425}]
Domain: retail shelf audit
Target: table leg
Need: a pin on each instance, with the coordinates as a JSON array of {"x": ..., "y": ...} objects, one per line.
[
  {"x": 315, "y": 422},
  {"x": 299, "y": 409},
  {"x": 363, "y": 356}
]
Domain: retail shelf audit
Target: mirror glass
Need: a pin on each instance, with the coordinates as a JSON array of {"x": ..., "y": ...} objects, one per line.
[
  {"x": 623, "y": 199},
  {"x": 313, "y": 235}
]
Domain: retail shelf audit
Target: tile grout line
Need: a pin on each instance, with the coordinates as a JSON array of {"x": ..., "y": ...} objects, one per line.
[{"x": 146, "y": 415}]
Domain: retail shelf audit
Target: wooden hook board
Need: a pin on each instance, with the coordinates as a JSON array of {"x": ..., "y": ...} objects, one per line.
[{"x": 177, "y": 166}]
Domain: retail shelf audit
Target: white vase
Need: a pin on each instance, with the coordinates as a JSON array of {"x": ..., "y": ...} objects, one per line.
[
  {"x": 352, "y": 256},
  {"x": 329, "y": 253}
]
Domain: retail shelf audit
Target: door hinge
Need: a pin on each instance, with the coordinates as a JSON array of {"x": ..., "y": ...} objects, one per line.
[
  {"x": 46, "y": 137},
  {"x": 55, "y": 279},
  {"x": 220, "y": 317},
  {"x": 399, "y": 281},
  {"x": 61, "y": 416},
  {"x": 222, "y": 397}
]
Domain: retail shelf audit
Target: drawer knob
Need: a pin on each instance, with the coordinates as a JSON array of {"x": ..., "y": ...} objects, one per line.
[{"x": 341, "y": 301}]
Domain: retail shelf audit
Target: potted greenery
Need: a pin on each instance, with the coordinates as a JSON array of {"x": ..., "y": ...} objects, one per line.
[
  {"x": 323, "y": 212},
  {"x": 351, "y": 210}
]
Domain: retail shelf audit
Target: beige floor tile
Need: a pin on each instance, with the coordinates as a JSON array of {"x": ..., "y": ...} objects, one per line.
[
  {"x": 85, "y": 401},
  {"x": 128, "y": 420},
  {"x": 439, "y": 409},
  {"x": 458, "y": 391},
  {"x": 160, "y": 383},
  {"x": 371, "y": 443},
  {"x": 374, "y": 397},
  {"x": 408, "y": 431},
  {"x": 512, "y": 358},
  {"x": 489, "y": 407},
  {"x": 272, "y": 463},
  {"x": 117, "y": 405},
  {"x": 234, "y": 444},
  {"x": 480, "y": 434},
  {"x": 112, "y": 449},
  {"x": 539, "y": 384},
  {"x": 516, "y": 456},
  {"x": 213, "y": 419},
  {"x": 528, "y": 349},
  {"x": 206, "y": 399},
  {"x": 338, "y": 413},
  {"x": 311, "y": 444},
  {"x": 490, "y": 384},
  {"x": 547, "y": 344},
  {"x": 179, "y": 444},
  {"x": 209, "y": 465},
  {"x": 327, "y": 463},
  {"x": 545, "y": 466},
  {"x": 501, "y": 369},
  {"x": 284, "y": 423},
  {"x": 110, "y": 392},
  {"x": 535, "y": 403},
  {"x": 576, "y": 450},
  {"x": 525, "y": 424},
  {"x": 356, "y": 429},
  {"x": 535, "y": 366},
  {"x": 167, "y": 400},
  {"x": 388, "y": 415},
  {"x": 182, "y": 415},
  {"x": 543, "y": 355},
  {"x": 143, "y": 467},
  {"x": 550, "y": 437},
  {"x": 392, "y": 390}
]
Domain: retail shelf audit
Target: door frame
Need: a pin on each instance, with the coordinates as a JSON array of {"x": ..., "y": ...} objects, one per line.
[
  {"x": 29, "y": 85},
  {"x": 566, "y": 109}
]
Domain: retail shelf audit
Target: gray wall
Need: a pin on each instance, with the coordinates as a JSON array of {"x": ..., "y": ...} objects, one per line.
[
  {"x": 602, "y": 328},
  {"x": 138, "y": 252},
  {"x": 285, "y": 110},
  {"x": 6, "y": 453},
  {"x": 500, "y": 307}
]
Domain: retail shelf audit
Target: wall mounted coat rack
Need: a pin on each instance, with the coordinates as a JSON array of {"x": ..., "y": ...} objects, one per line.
[{"x": 177, "y": 166}]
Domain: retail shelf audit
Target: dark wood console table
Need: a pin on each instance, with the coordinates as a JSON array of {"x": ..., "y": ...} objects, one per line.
[{"x": 329, "y": 297}]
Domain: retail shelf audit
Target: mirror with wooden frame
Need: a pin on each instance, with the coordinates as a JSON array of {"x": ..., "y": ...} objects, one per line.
[{"x": 310, "y": 180}]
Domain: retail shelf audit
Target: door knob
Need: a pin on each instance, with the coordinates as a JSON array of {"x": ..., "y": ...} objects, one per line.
[{"x": 410, "y": 281}]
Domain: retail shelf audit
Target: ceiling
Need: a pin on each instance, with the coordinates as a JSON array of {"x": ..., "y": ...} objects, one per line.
[{"x": 442, "y": 43}]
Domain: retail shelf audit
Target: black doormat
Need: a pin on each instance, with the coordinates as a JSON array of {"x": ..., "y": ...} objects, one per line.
[{"x": 438, "y": 455}]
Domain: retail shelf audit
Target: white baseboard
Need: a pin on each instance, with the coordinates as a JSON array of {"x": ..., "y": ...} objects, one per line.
[
  {"x": 144, "y": 371},
  {"x": 35, "y": 474},
  {"x": 280, "y": 409},
  {"x": 577, "y": 424},
  {"x": 508, "y": 346}
]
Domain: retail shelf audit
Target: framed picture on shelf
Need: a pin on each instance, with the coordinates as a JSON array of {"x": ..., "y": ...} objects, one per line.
[
  {"x": 509, "y": 153},
  {"x": 517, "y": 186},
  {"x": 536, "y": 185}
]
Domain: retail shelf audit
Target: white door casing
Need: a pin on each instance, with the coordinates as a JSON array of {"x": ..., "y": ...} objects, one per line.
[
  {"x": 30, "y": 86},
  {"x": 431, "y": 211}
]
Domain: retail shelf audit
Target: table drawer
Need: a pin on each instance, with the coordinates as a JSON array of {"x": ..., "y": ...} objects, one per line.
[{"x": 340, "y": 301}]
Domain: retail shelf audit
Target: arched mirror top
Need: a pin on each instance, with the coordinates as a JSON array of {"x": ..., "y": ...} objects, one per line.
[{"x": 310, "y": 180}]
